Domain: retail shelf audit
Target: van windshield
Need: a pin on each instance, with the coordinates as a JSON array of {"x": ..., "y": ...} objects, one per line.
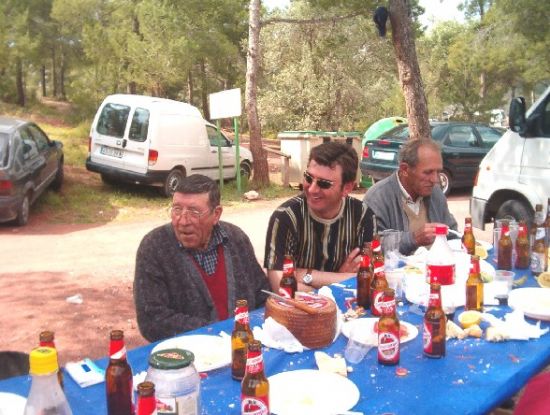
[{"x": 112, "y": 120}]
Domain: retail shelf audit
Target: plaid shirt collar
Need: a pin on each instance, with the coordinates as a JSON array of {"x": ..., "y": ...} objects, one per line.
[{"x": 208, "y": 258}]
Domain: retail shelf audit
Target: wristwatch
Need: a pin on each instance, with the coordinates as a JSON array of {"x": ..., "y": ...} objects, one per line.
[{"x": 307, "y": 279}]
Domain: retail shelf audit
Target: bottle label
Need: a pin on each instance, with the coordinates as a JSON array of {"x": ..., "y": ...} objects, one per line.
[
  {"x": 387, "y": 306},
  {"x": 429, "y": 332},
  {"x": 441, "y": 274},
  {"x": 285, "y": 292},
  {"x": 254, "y": 405},
  {"x": 377, "y": 297},
  {"x": 118, "y": 353},
  {"x": 288, "y": 267},
  {"x": 434, "y": 300},
  {"x": 537, "y": 262},
  {"x": 388, "y": 346},
  {"x": 254, "y": 364},
  {"x": 241, "y": 315},
  {"x": 185, "y": 404}
]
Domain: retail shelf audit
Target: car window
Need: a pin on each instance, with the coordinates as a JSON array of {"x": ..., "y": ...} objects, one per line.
[
  {"x": 4, "y": 149},
  {"x": 39, "y": 137},
  {"x": 30, "y": 150},
  {"x": 112, "y": 120},
  {"x": 214, "y": 137},
  {"x": 489, "y": 136},
  {"x": 140, "y": 125},
  {"x": 462, "y": 136}
]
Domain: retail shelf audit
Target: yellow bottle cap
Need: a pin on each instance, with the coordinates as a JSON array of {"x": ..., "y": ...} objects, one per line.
[{"x": 43, "y": 360}]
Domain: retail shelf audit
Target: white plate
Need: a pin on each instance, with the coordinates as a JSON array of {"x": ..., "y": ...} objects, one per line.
[
  {"x": 211, "y": 352},
  {"x": 534, "y": 302},
  {"x": 311, "y": 392},
  {"x": 456, "y": 244},
  {"x": 12, "y": 404},
  {"x": 367, "y": 326}
]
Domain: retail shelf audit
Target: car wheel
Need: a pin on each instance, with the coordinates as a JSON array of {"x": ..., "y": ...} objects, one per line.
[
  {"x": 59, "y": 176},
  {"x": 445, "y": 181},
  {"x": 172, "y": 181},
  {"x": 246, "y": 171},
  {"x": 23, "y": 211},
  {"x": 515, "y": 210}
]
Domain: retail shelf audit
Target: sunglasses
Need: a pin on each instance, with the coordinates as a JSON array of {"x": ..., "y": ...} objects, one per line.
[{"x": 322, "y": 183}]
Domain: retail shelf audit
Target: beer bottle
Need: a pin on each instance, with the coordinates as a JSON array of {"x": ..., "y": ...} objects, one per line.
[
  {"x": 240, "y": 338},
  {"x": 377, "y": 255},
  {"x": 47, "y": 339},
  {"x": 288, "y": 284},
  {"x": 468, "y": 239},
  {"x": 146, "y": 404},
  {"x": 538, "y": 252},
  {"x": 434, "y": 333},
  {"x": 504, "y": 260},
  {"x": 255, "y": 386},
  {"x": 364, "y": 279},
  {"x": 522, "y": 247},
  {"x": 388, "y": 330},
  {"x": 118, "y": 378},
  {"x": 377, "y": 287},
  {"x": 474, "y": 287}
]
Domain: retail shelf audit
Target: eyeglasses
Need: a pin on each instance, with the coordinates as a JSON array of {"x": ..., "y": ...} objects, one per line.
[
  {"x": 322, "y": 183},
  {"x": 178, "y": 211}
]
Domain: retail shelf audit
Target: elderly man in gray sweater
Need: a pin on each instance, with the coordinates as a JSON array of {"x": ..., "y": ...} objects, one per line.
[
  {"x": 190, "y": 272},
  {"x": 410, "y": 200}
]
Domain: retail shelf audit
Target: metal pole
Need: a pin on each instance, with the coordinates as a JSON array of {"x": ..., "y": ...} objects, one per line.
[
  {"x": 237, "y": 153},
  {"x": 220, "y": 161}
]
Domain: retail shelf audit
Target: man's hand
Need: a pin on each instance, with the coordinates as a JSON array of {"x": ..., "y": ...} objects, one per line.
[
  {"x": 352, "y": 262},
  {"x": 426, "y": 235}
]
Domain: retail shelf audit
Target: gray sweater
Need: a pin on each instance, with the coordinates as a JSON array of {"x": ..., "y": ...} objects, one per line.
[
  {"x": 384, "y": 200},
  {"x": 169, "y": 292}
]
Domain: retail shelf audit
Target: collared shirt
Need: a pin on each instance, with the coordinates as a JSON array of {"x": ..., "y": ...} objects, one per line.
[
  {"x": 414, "y": 205},
  {"x": 208, "y": 258}
]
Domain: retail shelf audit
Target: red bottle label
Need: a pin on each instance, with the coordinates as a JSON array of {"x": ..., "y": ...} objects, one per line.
[
  {"x": 254, "y": 405},
  {"x": 441, "y": 274},
  {"x": 288, "y": 267},
  {"x": 285, "y": 292},
  {"x": 427, "y": 338},
  {"x": 241, "y": 315},
  {"x": 254, "y": 364},
  {"x": 376, "y": 247},
  {"x": 117, "y": 350},
  {"x": 388, "y": 346},
  {"x": 377, "y": 300}
]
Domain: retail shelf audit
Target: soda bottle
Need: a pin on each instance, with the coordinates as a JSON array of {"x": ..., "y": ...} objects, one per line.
[
  {"x": 474, "y": 287},
  {"x": 504, "y": 260},
  {"x": 388, "y": 330},
  {"x": 440, "y": 261},
  {"x": 45, "y": 396},
  {"x": 118, "y": 378},
  {"x": 377, "y": 287},
  {"x": 47, "y": 339},
  {"x": 146, "y": 404},
  {"x": 522, "y": 247},
  {"x": 538, "y": 252},
  {"x": 364, "y": 279},
  {"x": 288, "y": 284},
  {"x": 240, "y": 338},
  {"x": 434, "y": 333},
  {"x": 468, "y": 239},
  {"x": 255, "y": 386}
]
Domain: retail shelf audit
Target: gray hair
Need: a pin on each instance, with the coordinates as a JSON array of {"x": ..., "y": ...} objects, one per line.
[
  {"x": 408, "y": 153},
  {"x": 198, "y": 184}
]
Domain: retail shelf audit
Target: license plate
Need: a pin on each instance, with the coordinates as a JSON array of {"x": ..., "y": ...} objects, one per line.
[
  {"x": 111, "y": 151},
  {"x": 382, "y": 155}
]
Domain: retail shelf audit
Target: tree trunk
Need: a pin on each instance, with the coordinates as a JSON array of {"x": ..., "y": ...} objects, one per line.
[
  {"x": 62, "y": 71},
  {"x": 409, "y": 71},
  {"x": 43, "y": 79},
  {"x": 261, "y": 171},
  {"x": 204, "y": 91},
  {"x": 55, "y": 91},
  {"x": 19, "y": 83},
  {"x": 190, "y": 86}
]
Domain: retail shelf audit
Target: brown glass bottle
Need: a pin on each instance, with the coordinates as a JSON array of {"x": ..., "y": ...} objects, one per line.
[
  {"x": 504, "y": 260},
  {"x": 434, "y": 331},
  {"x": 47, "y": 339},
  {"x": 538, "y": 251},
  {"x": 288, "y": 284},
  {"x": 522, "y": 247},
  {"x": 118, "y": 378},
  {"x": 388, "y": 330},
  {"x": 474, "y": 287},
  {"x": 377, "y": 255},
  {"x": 146, "y": 404},
  {"x": 377, "y": 287},
  {"x": 364, "y": 279},
  {"x": 240, "y": 338},
  {"x": 255, "y": 386},
  {"x": 468, "y": 238}
]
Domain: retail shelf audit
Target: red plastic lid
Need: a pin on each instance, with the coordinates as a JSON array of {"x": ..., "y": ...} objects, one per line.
[{"x": 441, "y": 230}]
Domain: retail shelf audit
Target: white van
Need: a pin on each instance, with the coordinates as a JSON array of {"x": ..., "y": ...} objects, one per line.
[
  {"x": 515, "y": 175},
  {"x": 157, "y": 141}
]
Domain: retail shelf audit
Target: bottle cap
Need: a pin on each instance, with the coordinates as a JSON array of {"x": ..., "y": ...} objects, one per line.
[
  {"x": 43, "y": 360},
  {"x": 441, "y": 230},
  {"x": 171, "y": 359}
]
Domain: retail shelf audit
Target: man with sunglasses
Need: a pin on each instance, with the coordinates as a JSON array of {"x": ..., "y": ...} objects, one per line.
[
  {"x": 411, "y": 199},
  {"x": 190, "y": 272},
  {"x": 322, "y": 228}
]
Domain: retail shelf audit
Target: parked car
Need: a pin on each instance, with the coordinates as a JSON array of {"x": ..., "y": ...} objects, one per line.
[
  {"x": 515, "y": 175},
  {"x": 29, "y": 163},
  {"x": 157, "y": 142},
  {"x": 463, "y": 145}
]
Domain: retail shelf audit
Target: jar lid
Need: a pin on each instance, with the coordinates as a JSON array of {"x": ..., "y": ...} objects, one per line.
[{"x": 171, "y": 359}]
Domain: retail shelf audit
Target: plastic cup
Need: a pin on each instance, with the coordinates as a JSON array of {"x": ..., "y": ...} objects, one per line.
[
  {"x": 506, "y": 278},
  {"x": 395, "y": 281},
  {"x": 357, "y": 348}
]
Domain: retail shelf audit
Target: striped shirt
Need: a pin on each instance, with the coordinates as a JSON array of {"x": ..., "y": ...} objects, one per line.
[{"x": 315, "y": 243}]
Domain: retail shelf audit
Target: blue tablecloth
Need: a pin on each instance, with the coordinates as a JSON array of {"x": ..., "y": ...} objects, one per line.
[{"x": 474, "y": 377}]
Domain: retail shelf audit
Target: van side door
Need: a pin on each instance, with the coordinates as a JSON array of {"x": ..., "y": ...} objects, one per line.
[
  {"x": 136, "y": 144},
  {"x": 107, "y": 146}
]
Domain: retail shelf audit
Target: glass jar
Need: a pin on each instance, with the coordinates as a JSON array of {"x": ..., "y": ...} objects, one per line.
[{"x": 177, "y": 382}]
